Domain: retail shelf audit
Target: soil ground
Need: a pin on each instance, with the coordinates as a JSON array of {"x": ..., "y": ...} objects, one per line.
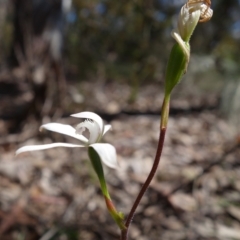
[{"x": 54, "y": 194}]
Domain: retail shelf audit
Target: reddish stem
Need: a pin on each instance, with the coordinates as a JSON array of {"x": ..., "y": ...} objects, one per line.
[{"x": 163, "y": 128}]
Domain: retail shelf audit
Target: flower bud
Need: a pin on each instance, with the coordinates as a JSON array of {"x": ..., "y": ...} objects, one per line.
[
  {"x": 187, "y": 20},
  {"x": 191, "y": 13}
]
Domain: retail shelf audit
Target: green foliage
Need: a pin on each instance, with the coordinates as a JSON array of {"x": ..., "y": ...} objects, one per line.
[{"x": 124, "y": 38}]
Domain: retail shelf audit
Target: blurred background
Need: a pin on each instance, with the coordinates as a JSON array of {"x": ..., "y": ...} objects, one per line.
[{"x": 60, "y": 57}]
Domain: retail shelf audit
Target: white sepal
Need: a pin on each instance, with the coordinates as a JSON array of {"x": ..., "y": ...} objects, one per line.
[
  {"x": 107, "y": 128},
  {"x": 64, "y": 129},
  {"x": 107, "y": 154},
  {"x": 45, "y": 146}
]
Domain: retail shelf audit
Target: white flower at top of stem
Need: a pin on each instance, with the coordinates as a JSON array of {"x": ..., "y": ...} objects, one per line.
[
  {"x": 191, "y": 13},
  {"x": 94, "y": 124}
]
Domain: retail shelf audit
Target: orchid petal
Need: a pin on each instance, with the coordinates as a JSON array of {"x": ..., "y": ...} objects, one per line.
[
  {"x": 45, "y": 146},
  {"x": 92, "y": 116},
  {"x": 107, "y": 153},
  {"x": 107, "y": 128},
  {"x": 64, "y": 129}
]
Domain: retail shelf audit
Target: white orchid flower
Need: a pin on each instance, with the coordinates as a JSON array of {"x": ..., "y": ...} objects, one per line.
[
  {"x": 192, "y": 12},
  {"x": 94, "y": 124}
]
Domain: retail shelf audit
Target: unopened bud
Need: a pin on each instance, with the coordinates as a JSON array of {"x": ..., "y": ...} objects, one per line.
[{"x": 192, "y": 12}]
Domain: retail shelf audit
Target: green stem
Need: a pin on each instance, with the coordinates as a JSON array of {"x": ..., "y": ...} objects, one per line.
[
  {"x": 97, "y": 166},
  {"x": 165, "y": 112},
  {"x": 163, "y": 128}
]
